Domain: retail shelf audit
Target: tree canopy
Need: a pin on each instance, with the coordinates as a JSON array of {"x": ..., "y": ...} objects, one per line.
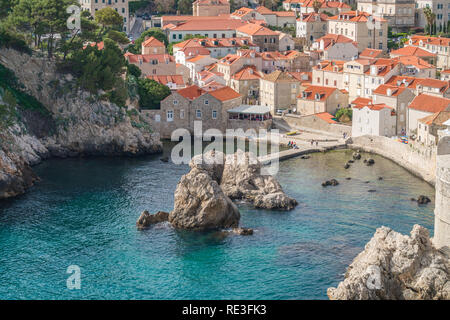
[{"x": 151, "y": 93}]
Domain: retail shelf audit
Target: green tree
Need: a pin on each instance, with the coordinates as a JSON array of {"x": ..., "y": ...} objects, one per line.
[
  {"x": 133, "y": 70},
  {"x": 109, "y": 18},
  {"x": 151, "y": 93},
  {"x": 152, "y": 32},
  {"x": 185, "y": 6},
  {"x": 430, "y": 17},
  {"x": 117, "y": 36},
  {"x": 317, "y": 5}
]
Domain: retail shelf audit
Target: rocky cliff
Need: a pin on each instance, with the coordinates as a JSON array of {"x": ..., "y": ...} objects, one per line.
[
  {"x": 71, "y": 123},
  {"x": 396, "y": 267}
]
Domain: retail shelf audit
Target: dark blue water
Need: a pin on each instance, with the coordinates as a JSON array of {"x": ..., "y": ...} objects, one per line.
[{"x": 84, "y": 211}]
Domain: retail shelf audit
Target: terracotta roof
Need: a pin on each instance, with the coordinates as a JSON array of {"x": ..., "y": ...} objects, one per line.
[
  {"x": 285, "y": 13},
  {"x": 197, "y": 58},
  {"x": 375, "y": 107},
  {"x": 279, "y": 76},
  {"x": 247, "y": 73},
  {"x": 355, "y": 16},
  {"x": 437, "y": 118},
  {"x": 152, "y": 42},
  {"x": 207, "y": 25},
  {"x": 165, "y": 79},
  {"x": 326, "y": 4},
  {"x": 384, "y": 90},
  {"x": 415, "y": 62},
  {"x": 191, "y": 92},
  {"x": 412, "y": 51},
  {"x": 212, "y": 2},
  {"x": 326, "y": 117},
  {"x": 330, "y": 65},
  {"x": 256, "y": 30},
  {"x": 195, "y": 51},
  {"x": 146, "y": 58},
  {"x": 428, "y": 103},
  {"x": 216, "y": 42},
  {"x": 330, "y": 39},
  {"x": 370, "y": 53},
  {"x": 241, "y": 12},
  {"x": 362, "y": 101},
  {"x": 445, "y": 71},
  {"x": 264, "y": 10},
  {"x": 213, "y": 85},
  {"x": 311, "y": 93},
  {"x": 224, "y": 94},
  {"x": 100, "y": 45},
  {"x": 303, "y": 77},
  {"x": 312, "y": 17},
  {"x": 437, "y": 41}
]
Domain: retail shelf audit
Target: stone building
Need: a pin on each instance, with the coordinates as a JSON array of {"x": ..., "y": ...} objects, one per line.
[
  {"x": 311, "y": 26},
  {"x": 279, "y": 90},
  {"x": 121, "y": 6},
  {"x": 442, "y": 207},
  {"x": 437, "y": 45},
  {"x": 264, "y": 38},
  {"x": 422, "y": 106},
  {"x": 335, "y": 47},
  {"x": 151, "y": 45},
  {"x": 246, "y": 83},
  {"x": 153, "y": 64},
  {"x": 210, "y": 7},
  {"x": 183, "y": 107},
  {"x": 368, "y": 30},
  {"x": 374, "y": 120},
  {"x": 400, "y": 14},
  {"x": 440, "y": 8},
  {"x": 318, "y": 99},
  {"x": 428, "y": 127}
]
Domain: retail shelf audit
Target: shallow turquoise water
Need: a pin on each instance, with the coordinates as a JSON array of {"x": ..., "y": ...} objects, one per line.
[{"x": 83, "y": 212}]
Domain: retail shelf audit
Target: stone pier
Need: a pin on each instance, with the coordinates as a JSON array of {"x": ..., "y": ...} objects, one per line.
[{"x": 442, "y": 210}]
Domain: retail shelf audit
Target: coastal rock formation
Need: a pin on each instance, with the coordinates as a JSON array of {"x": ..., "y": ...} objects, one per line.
[
  {"x": 146, "y": 219},
  {"x": 242, "y": 179},
  {"x": 395, "y": 266},
  {"x": 200, "y": 204},
  {"x": 332, "y": 182},
  {"x": 423, "y": 200},
  {"x": 203, "y": 196},
  {"x": 69, "y": 123}
]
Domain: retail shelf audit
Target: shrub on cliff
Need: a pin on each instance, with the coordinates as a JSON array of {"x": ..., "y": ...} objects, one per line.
[
  {"x": 13, "y": 41},
  {"x": 151, "y": 93}
]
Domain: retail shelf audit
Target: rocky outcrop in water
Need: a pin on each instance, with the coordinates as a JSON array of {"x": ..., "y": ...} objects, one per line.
[
  {"x": 203, "y": 197},
  {"x": 71, "y": 123},
  {"x": 242, "y": 180},
  {"x": 146, "y": 219},
  {"x": 397, "y": 267}
]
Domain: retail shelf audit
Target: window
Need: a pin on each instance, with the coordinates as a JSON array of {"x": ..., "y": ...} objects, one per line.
[
  {"x": 181, "y": 114},
  {"x": 214, "y": 114},
  {"x": 157, "y": 118},
  {"x": 198, "y": 113},
  {"x": 169, "y": 116},
  {"x": 206, "y": 102},
  {"x": 175, "y": 102}
]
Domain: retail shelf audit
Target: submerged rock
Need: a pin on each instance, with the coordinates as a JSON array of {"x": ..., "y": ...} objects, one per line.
[
  {"x": 346, "y": 166},
  {"x": 146, "y": 219},
  {"x": 332, "y": 182},
  {"x": 370, "y": 162},
  {"x": 356, "y": 156},
  {"x": 397, "y": 267},
  {"x": 243, "y": 231},
  {"x": 277, "y": 200},
  {"x": 164, "y": 159},
  {"x": 423, "y": 200}
]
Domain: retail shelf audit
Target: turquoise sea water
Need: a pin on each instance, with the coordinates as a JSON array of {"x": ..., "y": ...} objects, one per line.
[{"x": 84, "y": 211}]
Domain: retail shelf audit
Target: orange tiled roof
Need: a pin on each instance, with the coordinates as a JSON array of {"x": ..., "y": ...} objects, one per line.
[
  {"x": 437, "y": 41},
  {"x": 370, "y": 53},
  {"x": 412, "y": 51},
  {"x": 312, "y": 17},
  {"x": 326, "y": 117},
  {"x": 384, "y": 90},
  {"x": 146, "y": 58},
  {"x": 326, "y": 4},
  {"x": 256, "y": 30},
  {"x": 165, "y": 79},
  {"x": 310, "y": 93},
  {"x": 376, "y": 107},
  {"x": 428, "y": 103},
  {"x": 208, "y": 25},
  {"x": 361, "y": 100},
  {"x": 248, "y": 73},
  {"x": 215, "y": 42},
  {"x": 355, "y": 16},
  {"x": 414, "y": 61},
  {"x": 241, "y": 12},
  {"x": 224, "y": 94},
  {"x": 100, "y": 45},
  {"x": 330, "y": 65},
  {"x": 437, "y": 118},
  {"x": 152, "y": 42},
  {"x": 191, "y": 93}
]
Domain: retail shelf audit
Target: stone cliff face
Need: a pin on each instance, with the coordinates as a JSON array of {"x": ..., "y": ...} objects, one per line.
[
  {"x": 396, "y": 267},
  {"x": 76, "y": 124}
]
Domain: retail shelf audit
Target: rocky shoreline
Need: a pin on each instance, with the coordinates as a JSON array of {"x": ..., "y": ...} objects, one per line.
[{"x": 71, "y": 123}]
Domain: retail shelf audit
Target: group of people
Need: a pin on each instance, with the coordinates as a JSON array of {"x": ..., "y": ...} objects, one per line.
[
  {"x": 316, "y": 142},
  {"x": 292, "y": 144}
]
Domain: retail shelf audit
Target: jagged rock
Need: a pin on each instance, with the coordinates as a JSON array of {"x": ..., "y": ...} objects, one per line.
[
  {"x": 146, "y": 219},
  {"x": 346, "y": 166},
  {"x": 277, "y": 200},
  {"x": 395, "y": 266},
  {"x": 164, "y": 159},
  {"x": 243, "y": 231},
  {"x": 332, "y": 182},
  {"x": 350, "y": 161},
  {"x": 370, "y": 162},
  {"x": 200, "y": 204},
  {"x": 15, "y": 175},
  {"x": 242, "y": 179},
  {"x": 423, "y": 200},
  {"x": 356, "y": 155}
]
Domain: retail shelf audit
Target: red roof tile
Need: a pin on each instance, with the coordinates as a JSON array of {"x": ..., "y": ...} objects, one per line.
[{"x": 431, "y": 104}]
